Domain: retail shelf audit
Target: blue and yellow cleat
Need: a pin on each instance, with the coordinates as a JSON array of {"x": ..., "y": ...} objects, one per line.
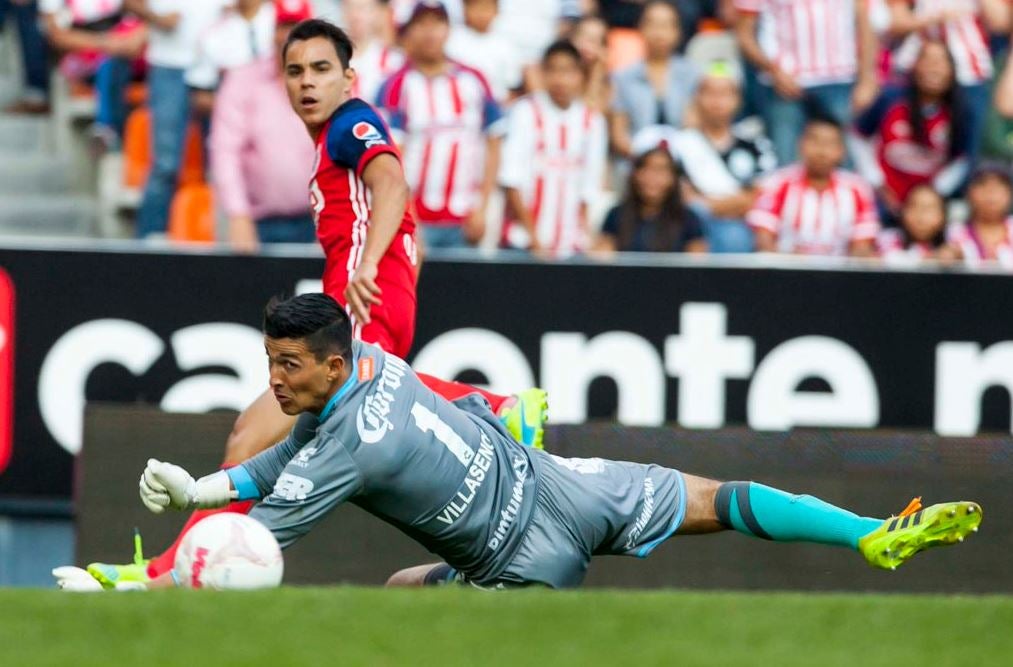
[
  {"x": 525, "y": 419},
  {"x": 133, "y": 573},
  {"x": 916, "y": 529}
]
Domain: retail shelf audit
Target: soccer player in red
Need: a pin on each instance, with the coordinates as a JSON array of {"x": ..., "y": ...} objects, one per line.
[{"x": 359, "y": 198}]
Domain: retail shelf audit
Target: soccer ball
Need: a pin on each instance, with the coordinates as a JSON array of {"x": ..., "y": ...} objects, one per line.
[{"x": 229, "y": 551}]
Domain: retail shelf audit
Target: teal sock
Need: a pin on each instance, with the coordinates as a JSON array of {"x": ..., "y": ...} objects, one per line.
[{"x": 762, "y": 511}]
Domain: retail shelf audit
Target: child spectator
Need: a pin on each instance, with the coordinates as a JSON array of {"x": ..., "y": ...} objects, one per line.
[
  {"x": 100, "y": 46},
  {"x": 723, "y": 162},
  {"x": 651, "y": 216},
  {"x": 916, "y": 134},
  {"x": 922, "y": 231},
  {"x": 374, "y": 59},
  {"x": 553, "y": 159},
  {"x": 987, "y": 237},
  {"x": 657, "y": 90},
  {"x": 815, "y": 207},
  {"x": 589, "y": 35},
  {"x": 475, "y": 44},
  {"x": 448, "y": 122}
]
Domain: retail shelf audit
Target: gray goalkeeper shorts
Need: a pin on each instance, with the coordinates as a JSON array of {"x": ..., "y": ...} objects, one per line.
[{"x": 589, "y": 507}]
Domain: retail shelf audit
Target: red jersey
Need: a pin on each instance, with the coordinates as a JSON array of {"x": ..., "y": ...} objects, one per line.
[{"x": 353, "y": 136}]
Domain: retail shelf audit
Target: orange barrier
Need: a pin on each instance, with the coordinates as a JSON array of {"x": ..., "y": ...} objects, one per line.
[{"x": 192, "y": 217}]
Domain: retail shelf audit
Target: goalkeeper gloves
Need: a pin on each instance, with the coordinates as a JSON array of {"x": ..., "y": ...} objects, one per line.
[{"x": 164, "y": 485}]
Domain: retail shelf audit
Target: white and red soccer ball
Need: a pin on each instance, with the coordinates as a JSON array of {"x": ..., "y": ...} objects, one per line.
[{"x": 229, "y": 551}]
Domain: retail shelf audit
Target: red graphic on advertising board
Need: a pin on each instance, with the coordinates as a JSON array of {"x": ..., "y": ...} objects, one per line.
[{"x": 6, "y": 369}]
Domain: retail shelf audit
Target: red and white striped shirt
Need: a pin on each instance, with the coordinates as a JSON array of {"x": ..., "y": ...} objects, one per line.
[
  {"x": 556, "y": 159},
  {"x": 896, "y": 250},
  {"x": 442, "y": 123},
  {"x": 374, "y": 65},
  {"x": 975, "y": 253},
  {"x": 964, "y": 37},
  {"x": 815, "y": 222},
  {"x": 814, "y": 41}
]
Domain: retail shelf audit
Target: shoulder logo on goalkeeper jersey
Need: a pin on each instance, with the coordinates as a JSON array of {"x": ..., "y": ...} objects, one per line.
[{"x": 366, "y": 133}]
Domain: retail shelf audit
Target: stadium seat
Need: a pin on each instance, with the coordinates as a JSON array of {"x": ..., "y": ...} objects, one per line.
[
  {"x": 191, "y": 217},
  {"x": 137, "y": 152},
  {"x": 625, "y": 47}
]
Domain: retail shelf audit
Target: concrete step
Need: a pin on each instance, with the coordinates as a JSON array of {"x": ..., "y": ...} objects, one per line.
[
  {"x": 20, "y": 134},
  {"x": 29, "y": 174},
  {"x": 46, "y": 215},
  {"x": 9, "y": 89}
]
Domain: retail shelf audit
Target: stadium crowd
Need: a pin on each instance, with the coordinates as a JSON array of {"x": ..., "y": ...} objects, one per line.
[{"x": 564, "y": 127}]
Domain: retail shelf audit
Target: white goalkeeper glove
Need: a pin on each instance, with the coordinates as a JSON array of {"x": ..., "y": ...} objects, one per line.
[
  {"x": 164, "y": 485},
  {"x": 78, "y": 580}
]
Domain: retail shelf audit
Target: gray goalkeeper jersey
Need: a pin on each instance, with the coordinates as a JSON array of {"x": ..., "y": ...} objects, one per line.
[{"x": 448, "y": 475}]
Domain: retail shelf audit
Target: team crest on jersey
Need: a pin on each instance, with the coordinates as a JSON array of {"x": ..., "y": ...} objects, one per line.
[{"x": 368, "y": 134}]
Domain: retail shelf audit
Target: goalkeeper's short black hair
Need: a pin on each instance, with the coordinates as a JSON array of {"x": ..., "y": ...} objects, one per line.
[{"x": 315, "y": 318}]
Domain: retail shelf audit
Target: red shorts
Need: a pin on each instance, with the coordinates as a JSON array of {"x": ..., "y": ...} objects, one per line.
[{"x": 392, "y": 323}]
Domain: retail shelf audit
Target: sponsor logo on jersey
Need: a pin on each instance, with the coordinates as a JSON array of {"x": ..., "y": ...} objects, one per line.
[
  {"x": 645, "y": 515},
  {"x": 508, "y": 516},
  {"x": 366, "y": 369},
  {"x": 292, "y": 487},
  {"x": 368, "y": 134},
  {"x": 372, "y": 419},
  {"x": 302, "y": 459}
]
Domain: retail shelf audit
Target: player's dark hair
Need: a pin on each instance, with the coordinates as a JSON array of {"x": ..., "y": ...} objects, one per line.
[
  {"x": 563, "y": 47},
  {"x": 823, "y": 120},
  {"x": 321, "y": 28},
  {"x": 316, "y": 318}
]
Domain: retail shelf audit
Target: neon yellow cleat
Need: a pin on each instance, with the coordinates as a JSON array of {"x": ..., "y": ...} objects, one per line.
[
  {"x": 525, "y": 419},
  {"x": 916, "y": 529},
  {"x": 134, "y": 573}
]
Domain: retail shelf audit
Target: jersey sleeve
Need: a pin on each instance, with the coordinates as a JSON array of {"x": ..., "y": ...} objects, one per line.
[
  {"x": 518, "y": 147},
  {"x": 766, "y": 212},
  {"x": 867, "y": 225},
  {"x": 320, "y": 476},
  {"x": 593, "y": 176},
  {"x": 357, "y": 136}
]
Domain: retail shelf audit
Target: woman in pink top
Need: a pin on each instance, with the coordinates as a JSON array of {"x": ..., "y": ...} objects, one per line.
[{"x": 987, "y": 238}]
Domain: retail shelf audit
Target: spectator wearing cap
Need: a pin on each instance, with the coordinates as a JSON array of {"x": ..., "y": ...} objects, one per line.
[
  {"x": 658, "y": 89},
  {"x": 34, "y": 57},
  {"x": 963, "y": 27},
  {"x": 815, "y": 207},
  {"x": 374, "y": 60},
  {"x": 101, "y": 45},
  {"x": 987, "y": 236},
  {"x": 652, "y": 216},
  {"x": 916, "y": 134},
  {"x": 174, "y": 28},
  {"x": 261, "y": 156},
  {"x": 723, "y": 161},
  {"x": 553, "y": 160},
  {"x": 476, "y": 44},
  {"x": 449, "y": 124},
  {"x": 817, "y": 58}
]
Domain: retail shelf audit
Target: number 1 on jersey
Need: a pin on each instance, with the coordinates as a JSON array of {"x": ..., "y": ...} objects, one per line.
[{"x": 429, "y": 422}]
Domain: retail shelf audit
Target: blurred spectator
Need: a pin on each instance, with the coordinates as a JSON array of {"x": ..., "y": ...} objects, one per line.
[
  {"x": 532, "y": 25},
  {"x": 553, "y": 159},
  {"x": 962, "y": 26},
  {"x": 261, "y": 155},
  {"x": 475, "y": 44},
  {"x": 722, "y": 162},
  {"x": 988, "y": 234},
  {"x": 627, "y": 13},
  {"x": 590, "y": 35},
  {"x": 916, "y": 134},
  {"x": 98, "y": 45},
  {"x": 817, "y": 58},
  {"x": 997, "y": 143},
  {"x": 174, "y": 29},
  {"x": 34, "y": 56},
  {"x": 814, "y": 207},
  {"x": 657, "y": 90},
  {"x": 373, "y": 60},
  {"x": 922, "y": 231},
  {"x": 242, "y": 34},
  {"x": 447, "y": 122},
  {"x": 652, "y": 217}
]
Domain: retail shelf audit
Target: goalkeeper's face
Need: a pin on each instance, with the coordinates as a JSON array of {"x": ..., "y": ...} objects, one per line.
[{"x": 299, "y": 380}]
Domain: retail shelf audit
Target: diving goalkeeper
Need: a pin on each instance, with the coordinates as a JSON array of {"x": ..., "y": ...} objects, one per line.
[{"x": 451, "y": 477}]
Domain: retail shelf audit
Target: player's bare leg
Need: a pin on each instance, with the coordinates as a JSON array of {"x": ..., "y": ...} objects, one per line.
[{"x": 420, "y": 575}]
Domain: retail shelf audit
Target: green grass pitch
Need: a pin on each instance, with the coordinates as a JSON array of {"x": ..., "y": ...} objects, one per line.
[{"x": 359, "y": 626}]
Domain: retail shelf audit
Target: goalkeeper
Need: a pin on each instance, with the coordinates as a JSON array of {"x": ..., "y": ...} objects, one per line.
[{"x": 498, "y": 514}]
